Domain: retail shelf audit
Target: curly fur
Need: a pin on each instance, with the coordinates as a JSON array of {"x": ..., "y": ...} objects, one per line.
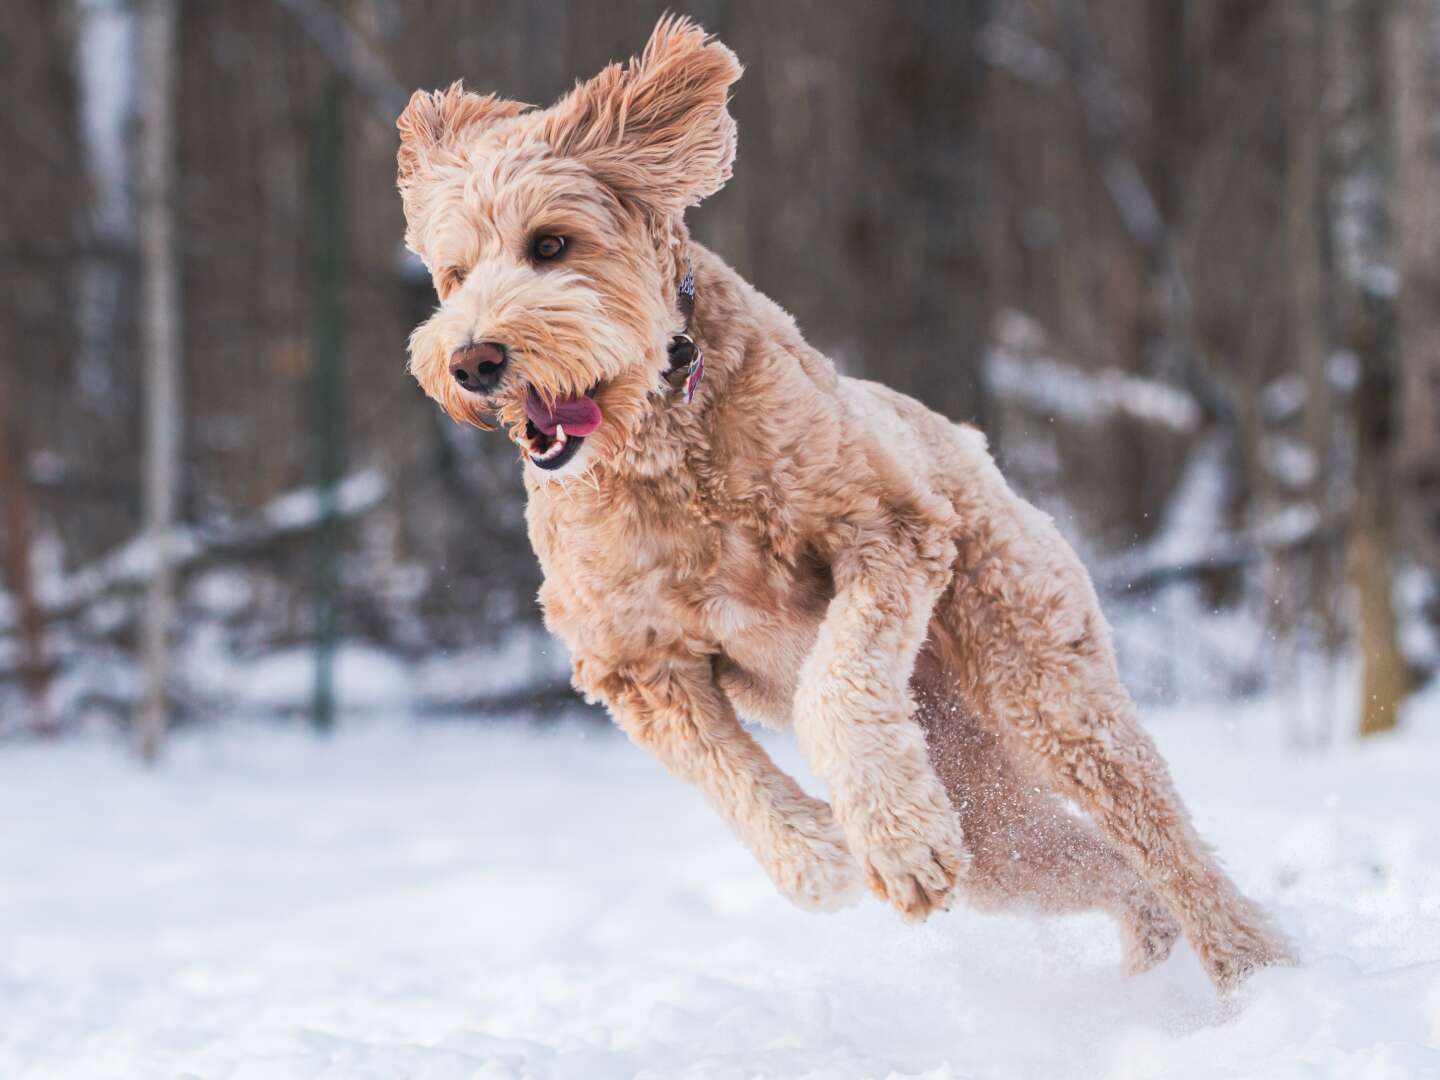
[{"x": 817, "y": 553}]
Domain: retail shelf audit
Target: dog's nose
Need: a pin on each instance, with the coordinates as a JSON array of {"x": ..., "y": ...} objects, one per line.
[{"x": 477, "y": 366}]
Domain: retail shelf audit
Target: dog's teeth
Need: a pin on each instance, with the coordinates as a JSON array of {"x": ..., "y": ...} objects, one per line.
[
  {"x": 560, "y": 434},
  {"x": 555, "y": 448}
]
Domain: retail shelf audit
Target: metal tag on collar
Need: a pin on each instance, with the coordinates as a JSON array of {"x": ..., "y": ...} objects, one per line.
[
  {"x": 684, "y": 352},
  {"x": 686, "y": 357}
]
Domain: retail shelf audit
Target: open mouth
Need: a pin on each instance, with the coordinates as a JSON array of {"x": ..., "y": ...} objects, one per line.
[{"x": 554, "y": 432}]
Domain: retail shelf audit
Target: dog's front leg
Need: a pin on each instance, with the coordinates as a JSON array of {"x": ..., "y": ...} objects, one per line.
[
  {"x": 854, "y": 720},
  {"x": 673, "y": 708}
]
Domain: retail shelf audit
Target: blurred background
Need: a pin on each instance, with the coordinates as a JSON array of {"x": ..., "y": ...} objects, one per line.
[{"x": 1179, "y": 260}]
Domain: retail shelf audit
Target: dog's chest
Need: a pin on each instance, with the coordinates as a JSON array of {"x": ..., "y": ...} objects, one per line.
[
  {"x": 760, "y": 615},
  {"x": 650, "y": 569}
]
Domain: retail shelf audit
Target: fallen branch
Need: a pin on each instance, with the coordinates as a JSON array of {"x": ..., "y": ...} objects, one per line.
[{"x": 1142, "y": 574}]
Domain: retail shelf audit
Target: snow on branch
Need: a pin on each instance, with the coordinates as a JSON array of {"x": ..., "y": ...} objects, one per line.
[
  {"x": 1017, "y": 370},
  {"x": 132, "y": 565}
]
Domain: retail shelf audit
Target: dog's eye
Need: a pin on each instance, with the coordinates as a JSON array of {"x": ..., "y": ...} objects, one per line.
[
  {"x": 451, "y": 278},
  {"x": 548, "y": 247}
]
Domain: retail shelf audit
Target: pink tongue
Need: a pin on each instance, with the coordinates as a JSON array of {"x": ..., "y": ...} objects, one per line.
[{"x": 580, "y": 415}]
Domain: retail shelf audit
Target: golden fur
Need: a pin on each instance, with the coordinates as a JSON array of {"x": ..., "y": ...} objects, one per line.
[{"x": 814, "y": 552}]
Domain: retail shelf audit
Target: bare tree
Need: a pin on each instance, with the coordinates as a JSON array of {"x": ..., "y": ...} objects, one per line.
[
  {"x": 1415, "y": 83},
  {"x": 161, "y": 349},
  {"x": 1362, "y": 235},
  {"x": 1172, "y": 195},
  {"x": 16, "y": 529},
  {"x": 1315, "y": 574}
]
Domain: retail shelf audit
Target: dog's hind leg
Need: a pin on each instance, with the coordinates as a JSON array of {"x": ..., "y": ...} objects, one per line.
[
  {"x": 1033, "y": 658},
  {"x": 1027, "y": 849}
]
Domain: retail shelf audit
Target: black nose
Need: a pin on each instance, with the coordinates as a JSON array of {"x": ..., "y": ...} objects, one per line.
[{"x": 478, "y": 366}]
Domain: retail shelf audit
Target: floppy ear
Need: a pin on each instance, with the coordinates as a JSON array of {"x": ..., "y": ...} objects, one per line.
[
  {"x": 434, "y": 121},
  {"x": 656, "y": 130}
]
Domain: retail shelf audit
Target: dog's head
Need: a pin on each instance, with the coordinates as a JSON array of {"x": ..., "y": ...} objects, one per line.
[{"x": 551, "y": 237}]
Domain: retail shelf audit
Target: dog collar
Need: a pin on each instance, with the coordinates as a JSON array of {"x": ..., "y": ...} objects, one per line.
[{"x": 687, "y": 361}]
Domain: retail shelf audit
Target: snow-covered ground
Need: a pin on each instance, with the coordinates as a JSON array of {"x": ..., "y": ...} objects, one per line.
[{"x": 463, "y": 901}]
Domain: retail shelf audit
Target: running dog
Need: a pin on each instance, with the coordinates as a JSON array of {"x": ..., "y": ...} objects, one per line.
[{"x": 728, "y": 527}]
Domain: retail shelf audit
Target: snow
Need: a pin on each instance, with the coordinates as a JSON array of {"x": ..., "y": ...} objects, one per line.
[
  {"x": 448, "y": 900},
  {"x": 366, "y": 678},
  {"x": 1193, "y": 529},
  {"x": 370, "y": 680},
  {"x": 1282, "y": 399},
  {"x": 522, "y": 660},
  {"x": 1012, "y": 50},
  {"x": 1018, "y": 369},
  {"x": 304, "y": 508}
]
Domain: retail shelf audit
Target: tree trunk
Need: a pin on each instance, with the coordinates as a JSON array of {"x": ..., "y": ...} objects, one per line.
[
  {"x": 1362, "y": 238},
  {"x": 1386, "y": 680},
  {"x": 1319, "y": 570},
  {"x": 15, "y": 527},
  {"x": 161, "y": 350},
  {"x": 1373, "y": 541},
  {"x": 1416, "y": 215}
]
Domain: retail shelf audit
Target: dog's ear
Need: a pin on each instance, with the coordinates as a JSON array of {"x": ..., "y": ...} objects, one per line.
[
  {"x": 435, "y": 121},
  {"x": 656, "y": 130}
]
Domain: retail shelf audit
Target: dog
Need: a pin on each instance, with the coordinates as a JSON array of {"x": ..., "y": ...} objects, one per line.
[{"x": 728, "y": 527}]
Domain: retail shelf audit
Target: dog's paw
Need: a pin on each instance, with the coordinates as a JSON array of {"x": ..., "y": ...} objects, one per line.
[
  {"x": 913, "y": 862},
  {"x": 812, "y": 866},
  {"x": 1148, "y": 932},
  {"x": 1251, "y": 945}
]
